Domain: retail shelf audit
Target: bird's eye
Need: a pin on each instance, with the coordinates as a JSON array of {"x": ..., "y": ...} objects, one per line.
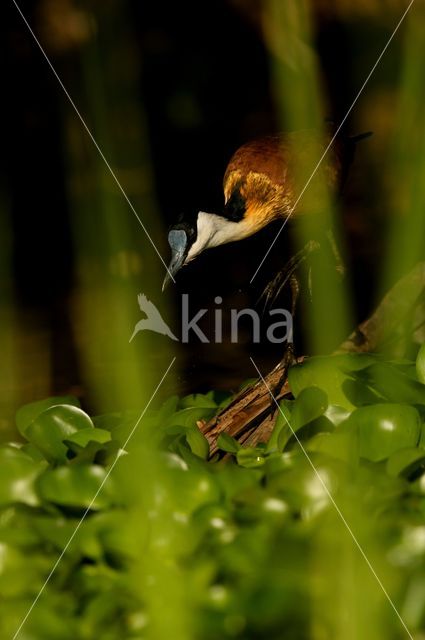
[{"x": 235, "y": 207}]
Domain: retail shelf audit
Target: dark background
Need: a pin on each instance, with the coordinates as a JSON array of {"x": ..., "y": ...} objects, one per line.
[{"x": 201, "y": 75}]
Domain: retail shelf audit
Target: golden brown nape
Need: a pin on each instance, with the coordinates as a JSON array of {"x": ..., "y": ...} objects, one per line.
[
  {"x": 263, "y": 182},
  {"x": 269, "y": 174},
  {"x": 289, "y": 175}
]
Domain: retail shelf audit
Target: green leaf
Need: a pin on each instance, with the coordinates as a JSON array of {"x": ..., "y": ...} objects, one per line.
[
  {"x": 311, "y": 403},
  {"x": 192, "y": 488},
  {"x": 32, "y": 451},
  {"x": 336, "y": 414},
  {"x": 85, "y": 454},
  {"x": 17, "y": 526},
  {"x": 18, "y": 472},
  {"x": 19, "y": 575},
  {"x": 56, "y": 530},
  {"x": 276, "y": 462},
  {"x": 359, "y": 393},
  {"x": 108, "y": 452},
  {"x": 384, "y": 429},
  {"x": 108, "y": 421},
  {"x": 98, "y": 452},
  {"x": 306, "y": 488},
  {"x": 199, "y": 400},
  {"x": 343, "y": 446},
  {"x": 305, "y": 414},
  {"x": 48, "y": 431},
  {"x": 168, "y": 408},
  {"x": 250, "y": 458},
  {"x": 29, "y": 412},
  {"x": 227, "y": 443},
  {"x": 95, "y": 452},
  {"x": 393, "y": 384},
  {"x": 197, "y": 442},
  {"x": 90, "y": 434},
  {"x": 189, "y": 417},
  {"x": 406, "y": 462},
  {"x": 76, "y": 486},
  {"x": 329, "y": 374},
  {"x": 281, "y": 432}
]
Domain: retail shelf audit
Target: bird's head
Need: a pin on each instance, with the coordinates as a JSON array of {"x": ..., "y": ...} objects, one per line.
[
  {"x": 260, "y": 185},
  {"x": 251, "y": 202}
]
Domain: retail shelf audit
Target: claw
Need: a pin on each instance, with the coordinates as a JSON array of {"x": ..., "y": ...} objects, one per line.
[{"x": 275, "y": 287}]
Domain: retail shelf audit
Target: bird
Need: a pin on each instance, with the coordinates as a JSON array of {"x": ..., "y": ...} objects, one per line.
[
  {"x": 153, "y": 320},
  {"x": 262, "y": 183}
]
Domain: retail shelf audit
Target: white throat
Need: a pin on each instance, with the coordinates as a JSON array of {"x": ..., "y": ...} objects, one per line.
[{"x": 214, "y": 230}]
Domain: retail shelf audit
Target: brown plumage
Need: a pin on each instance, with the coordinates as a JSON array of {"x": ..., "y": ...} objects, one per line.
[
  {"x": 269, "y": 173},
  {"x": 263, "y": 182}
]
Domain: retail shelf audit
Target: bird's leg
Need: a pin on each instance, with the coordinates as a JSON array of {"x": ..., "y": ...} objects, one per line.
[
  {"x": 294, "y": 284},
  {"x": 288, "y": 275},
  {"x": 274, "y": 288},
  {"x": 289, "y": 357},
  {"x": 287, "y": 361}
]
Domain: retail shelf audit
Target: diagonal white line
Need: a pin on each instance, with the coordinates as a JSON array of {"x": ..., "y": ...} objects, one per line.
[
  {"x": 111, "y": 468},
  {"x": 102, "y": 155},
  {"x": 338, "y": 510},
  {"x": 334, "y": 137}
]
